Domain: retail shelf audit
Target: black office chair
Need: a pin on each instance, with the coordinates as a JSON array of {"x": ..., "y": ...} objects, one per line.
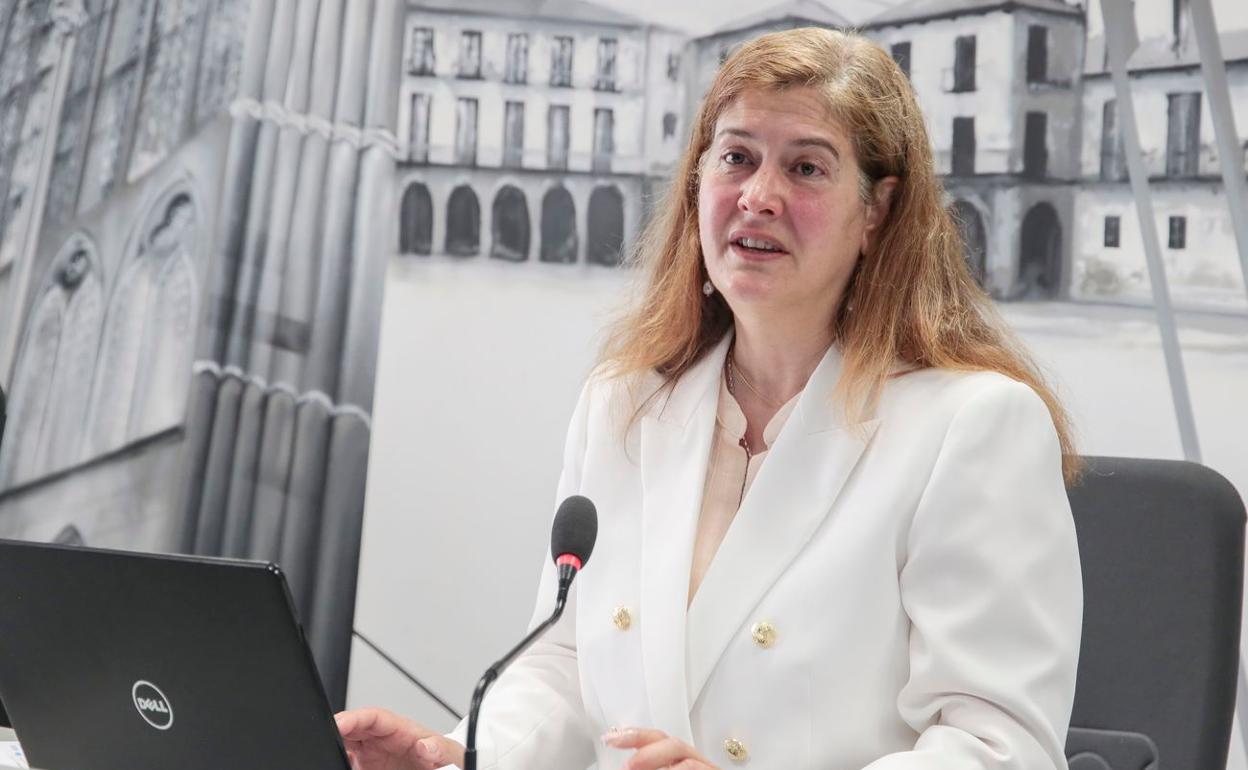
[{"x": 1162, "y": 547}]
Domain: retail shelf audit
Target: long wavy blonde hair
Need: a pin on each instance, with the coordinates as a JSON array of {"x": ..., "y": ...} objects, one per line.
[{"x": 913, "y": 297}]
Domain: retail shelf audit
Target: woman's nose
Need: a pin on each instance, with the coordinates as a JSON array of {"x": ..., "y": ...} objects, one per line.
[{"x": 762, "y": 193}]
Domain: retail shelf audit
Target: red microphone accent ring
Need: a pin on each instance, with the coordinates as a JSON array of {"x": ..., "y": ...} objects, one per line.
[{"x": 568, "y": 558}]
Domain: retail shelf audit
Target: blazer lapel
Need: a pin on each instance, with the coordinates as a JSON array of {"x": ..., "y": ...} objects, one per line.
[
  {"x": 675, "y": 448},
  {"x": 801, "y": 477}
]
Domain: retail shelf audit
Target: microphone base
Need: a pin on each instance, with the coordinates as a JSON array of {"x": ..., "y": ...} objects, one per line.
[{"x": 470, "y": 759}]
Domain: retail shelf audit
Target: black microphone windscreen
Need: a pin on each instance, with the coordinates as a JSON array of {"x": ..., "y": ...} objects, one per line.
[{"x": 575, "y": 529}]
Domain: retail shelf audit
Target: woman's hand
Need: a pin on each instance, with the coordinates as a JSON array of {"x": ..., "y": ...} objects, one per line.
[
  {"x": 377, "y": 739},
  {"x": 656, "y": 749}
]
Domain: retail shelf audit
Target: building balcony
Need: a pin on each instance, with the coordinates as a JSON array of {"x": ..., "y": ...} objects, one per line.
[{"x": 530, "y": 159}]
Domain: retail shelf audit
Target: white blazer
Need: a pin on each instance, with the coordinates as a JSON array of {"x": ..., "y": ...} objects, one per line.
[{"x": 919, "y": 570}]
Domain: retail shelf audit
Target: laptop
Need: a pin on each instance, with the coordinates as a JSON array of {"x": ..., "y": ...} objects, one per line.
[{"x": 116, "y": 661}]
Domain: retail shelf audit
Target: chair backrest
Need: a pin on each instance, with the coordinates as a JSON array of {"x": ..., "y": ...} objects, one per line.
[{"x": 1162, "y": 548}]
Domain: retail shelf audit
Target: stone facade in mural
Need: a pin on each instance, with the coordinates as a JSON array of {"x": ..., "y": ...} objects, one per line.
[
  {"x": 102, "y": 277},
  {"x": 189, "y": 293},
  {"x": 1177, "y": 140},
  {"x": 534, "y": 133},
  {"x": 1013, "y": 93}
]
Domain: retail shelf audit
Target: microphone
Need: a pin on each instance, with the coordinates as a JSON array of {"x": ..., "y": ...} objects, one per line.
[{"x": 572, "y": 540}]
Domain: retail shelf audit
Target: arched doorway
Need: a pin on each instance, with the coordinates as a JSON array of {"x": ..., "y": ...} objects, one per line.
[
  {"x": 416, "y": 220},
  {"x": 463, "y": 222},
  {"x": 510, "y": 225},
  {"x": 1039, "y": 254},
  {"x": 558, "y": 226},
  {"x": 605, "y": 232},
  {"x": 974, "y": 240}
]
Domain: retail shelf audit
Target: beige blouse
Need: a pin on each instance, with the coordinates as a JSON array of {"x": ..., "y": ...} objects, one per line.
[{"x": 729, "y": 475}]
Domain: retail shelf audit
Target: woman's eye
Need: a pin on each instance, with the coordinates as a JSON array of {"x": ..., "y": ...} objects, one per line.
[
  {"x": 807, "y": 169},
  {"x": 734, "y": 158}
]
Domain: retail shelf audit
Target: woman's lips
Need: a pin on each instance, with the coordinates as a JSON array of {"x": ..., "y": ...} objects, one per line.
[{"x": 755, "y": 255}]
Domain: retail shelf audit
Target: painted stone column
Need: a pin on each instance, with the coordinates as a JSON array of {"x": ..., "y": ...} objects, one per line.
[{"x": 279, "y": 425}]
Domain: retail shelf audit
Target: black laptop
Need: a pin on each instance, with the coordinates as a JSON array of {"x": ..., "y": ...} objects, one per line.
[{"x": 123, "y": 661}]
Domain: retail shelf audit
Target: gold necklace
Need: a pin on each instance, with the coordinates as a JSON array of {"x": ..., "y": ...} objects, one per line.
[{"x": 733, "y": 369}]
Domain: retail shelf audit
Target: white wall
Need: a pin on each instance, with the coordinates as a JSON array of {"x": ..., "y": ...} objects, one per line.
[
  {"x": 1205, "y": 273},
  {"x": 479, "y": 368}
]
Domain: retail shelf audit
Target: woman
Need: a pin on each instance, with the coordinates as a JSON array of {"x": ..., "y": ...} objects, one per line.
[{"x": 833, "y": 525}]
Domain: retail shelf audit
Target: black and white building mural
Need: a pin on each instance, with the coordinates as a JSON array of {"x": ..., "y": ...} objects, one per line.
[
  {"x": 202, "y": 202},
  {"x": 544, "y": 131},
  {"x": 534, "y": 130}
]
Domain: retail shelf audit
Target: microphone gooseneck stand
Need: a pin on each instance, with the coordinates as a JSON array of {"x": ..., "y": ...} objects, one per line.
[{"x": 566, "y": 573}]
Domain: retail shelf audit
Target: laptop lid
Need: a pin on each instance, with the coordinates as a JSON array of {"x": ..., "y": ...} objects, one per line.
[{"x": 115, "y": 661}]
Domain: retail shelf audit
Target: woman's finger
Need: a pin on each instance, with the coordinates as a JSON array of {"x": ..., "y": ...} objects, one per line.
[
  {"x": 655, "y": 749},
  {"x": 438, "y": 751},
  {"x": 664, "y": 753},
  {"x": 631, "y": 737},
  {"x": 377, "y": 734},
  {"x": 361, "y": 724},
  {"x": 691, "y": 764}
]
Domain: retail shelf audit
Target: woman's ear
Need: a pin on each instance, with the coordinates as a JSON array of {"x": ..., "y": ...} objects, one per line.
[{"x": 877, "y": 211}]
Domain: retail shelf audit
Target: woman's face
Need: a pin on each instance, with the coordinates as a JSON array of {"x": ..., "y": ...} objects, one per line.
[{"x": 780, "y": 215}]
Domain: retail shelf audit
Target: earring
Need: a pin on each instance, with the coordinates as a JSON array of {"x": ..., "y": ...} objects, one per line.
[{"x": 708, "y": 288}]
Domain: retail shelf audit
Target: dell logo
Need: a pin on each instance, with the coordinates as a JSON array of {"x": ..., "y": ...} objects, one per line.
[{"x": 152, "y": 705}]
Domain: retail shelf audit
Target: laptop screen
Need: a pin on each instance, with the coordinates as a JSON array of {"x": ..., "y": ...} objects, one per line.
[{"x": 113, "y": 660}]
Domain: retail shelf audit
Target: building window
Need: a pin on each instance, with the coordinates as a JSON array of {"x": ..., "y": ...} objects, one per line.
[
  {"x": 608, "y": 48},
  {"x": 604, "y": 138},
  {"x": 513, "y": 135},
  {"x": 142, "y": 77},
  {"x": 517, "y": 69},
  {"x": 165, "y": 100},
  {"x": 224, "y": 37},
  {"x": 510, "y": 225},
  {"x": 901, "y": 55},
  {"x": 669, "y": 125},
  {"x": 1035, "y": 146},
  {"x": 51, "y": 383},
  {"x": 1037, "y": 54},
  {"x": 416, "y": 220},
  {"x": 115, "y": 103},
  {"x": 146, "y": 348},
  {"x": 963, "y": 157},
  {"x": 420, "y": 59},
  {"x": 1113, "y": 159},
  {"x": 561, "y": 62},
  {"x": 605, "y": 227},
  {"x": 418, "y": 131},
  {"x": 964, "y": 63},
  {"x": 1183, "y": 136},
  {"x": 1178, "y": 232},
  {"x": 673, "y": 67},
  {"x": 75, "y": 120},
  {"x": 557, "y": 136},
  {"x": 1112, "y": 227},
  {"x": 470, "y": 54},
  {"x": 466, "y": 132},
  {"x": 463, "y": 222},
  {"x": 559, "y": 241}
]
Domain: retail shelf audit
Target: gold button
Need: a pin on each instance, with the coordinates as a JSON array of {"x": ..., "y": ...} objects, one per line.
[
  {"x": 736, "y": 749},
  {"x": 764, "y": 634},
  {"x": 622, "y": 618}
]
